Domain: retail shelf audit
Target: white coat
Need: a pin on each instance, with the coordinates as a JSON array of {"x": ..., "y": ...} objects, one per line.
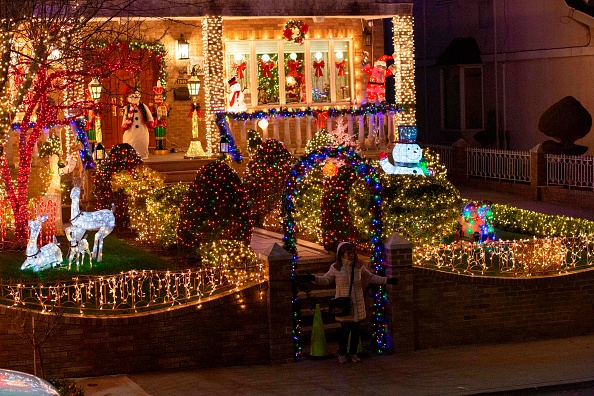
[{"x": 342, "y": 278}]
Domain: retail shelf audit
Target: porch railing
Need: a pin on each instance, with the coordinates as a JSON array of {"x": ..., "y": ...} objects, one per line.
[
  {"x": 498, "y": 164},
  {"x": 570, "y": 171}
]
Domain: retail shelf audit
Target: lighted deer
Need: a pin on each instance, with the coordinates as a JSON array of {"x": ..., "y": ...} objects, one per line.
[
  {"x": 40, "y": 258},
  {"x": 102, "y": 221},
  {"x": 78, "y": 250}
]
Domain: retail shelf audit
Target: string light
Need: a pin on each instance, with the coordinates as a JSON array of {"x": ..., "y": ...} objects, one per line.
[
  {"x": 404, "y": 64},
  {"x": 214, "y": 83}
]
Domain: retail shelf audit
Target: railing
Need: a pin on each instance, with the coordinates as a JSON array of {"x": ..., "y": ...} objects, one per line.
[
  {"x": 529, "y": 257},
  {"x": 445, "y": 154},
  {"x": 570, "y": 170},
  {"x": 372, "y": 126},
  {"x": 129, "y": 292},
  {"x": 498, "y": 164}
]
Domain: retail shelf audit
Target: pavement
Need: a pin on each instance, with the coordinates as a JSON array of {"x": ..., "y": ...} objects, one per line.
[{"x": 536, "y": 367}]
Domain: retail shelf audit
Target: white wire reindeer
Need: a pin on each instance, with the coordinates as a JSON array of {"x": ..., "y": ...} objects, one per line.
[
  {"x": 40, "y": 258},
  {"x": 103, "y": 221},
  {"x": 78, "y": 250}
]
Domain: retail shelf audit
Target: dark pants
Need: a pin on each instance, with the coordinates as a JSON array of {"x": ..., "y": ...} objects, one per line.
[{"x": 353, "y": 329}]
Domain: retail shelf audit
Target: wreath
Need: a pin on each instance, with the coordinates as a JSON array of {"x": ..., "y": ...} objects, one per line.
[{"x": 295, "y": 31}]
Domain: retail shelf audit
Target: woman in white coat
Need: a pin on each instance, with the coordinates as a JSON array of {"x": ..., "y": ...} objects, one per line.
[{"x": 340, "y": 273}]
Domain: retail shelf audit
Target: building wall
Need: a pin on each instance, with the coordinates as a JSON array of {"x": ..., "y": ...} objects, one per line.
[{"x": 544, "y": 54}]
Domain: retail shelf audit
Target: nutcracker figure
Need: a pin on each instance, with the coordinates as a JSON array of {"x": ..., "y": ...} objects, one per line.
[{"x": 160, "y": 111}]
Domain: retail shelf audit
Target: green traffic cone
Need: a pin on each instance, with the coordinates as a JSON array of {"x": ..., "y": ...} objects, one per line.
[
  {"x": 359, "y": 347},
  {"x": 318, "y": 346}
]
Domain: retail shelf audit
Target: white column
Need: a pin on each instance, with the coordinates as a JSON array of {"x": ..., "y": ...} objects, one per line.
[
  {"x": 308, "y": 130},
  {"x": 382, "y": 131},
  {"x": 298, "y": 141},
  {"x": 287, "y": 133},
  {"x": 276, "y": 132},
  {"x": 329, "y": 124},
  {"x": 361, "y": 120}
]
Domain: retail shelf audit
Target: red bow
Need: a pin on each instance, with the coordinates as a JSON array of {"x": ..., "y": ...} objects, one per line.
[
  {"x": 195, "y": 108},
  {"x": 293, "y": 65},
  {"x": 341, "y": 66},
  {"x": 233, "y": 98},
  {"x": 239, "y": 69},
  {"x": 266, "y": 67},
  {"x": 319, "y": 66}
]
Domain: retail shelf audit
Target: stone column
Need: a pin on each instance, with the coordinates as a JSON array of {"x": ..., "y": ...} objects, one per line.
[
  {"x": 280, "y": 311},
  {"x": 400, "y": 297},
  {"x": 538, "y": 172},
  {"x": 458, "y": 173}
]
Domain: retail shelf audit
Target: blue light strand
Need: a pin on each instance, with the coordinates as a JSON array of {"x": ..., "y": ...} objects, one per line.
[
  {"x": 365, "y": 172},
  {"x": 223, "y": 126},
  {"x": 78, "y": 125}
]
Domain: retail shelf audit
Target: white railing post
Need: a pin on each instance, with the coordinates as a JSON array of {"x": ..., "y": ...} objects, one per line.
[
  {"x": 361, "y": 120},
  {"x": 298, "y": 140},
  {"x": 287, "y": 133}
]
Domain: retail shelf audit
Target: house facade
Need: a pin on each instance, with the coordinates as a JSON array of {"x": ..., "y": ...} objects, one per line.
[
  {"x": 497, "y": 65},
  {"x": 315, "y": 66}
]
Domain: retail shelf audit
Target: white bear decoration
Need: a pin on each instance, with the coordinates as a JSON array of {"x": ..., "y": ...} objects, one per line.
[{"x": 407, "y": 158}]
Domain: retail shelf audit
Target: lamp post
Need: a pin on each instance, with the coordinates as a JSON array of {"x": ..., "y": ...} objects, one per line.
[
  {"x": 94, "y": 131},
  {"x": 195, "y": 150}
]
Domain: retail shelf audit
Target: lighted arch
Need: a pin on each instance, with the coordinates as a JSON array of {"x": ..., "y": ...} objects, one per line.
[{"x": 367, "y": 173}]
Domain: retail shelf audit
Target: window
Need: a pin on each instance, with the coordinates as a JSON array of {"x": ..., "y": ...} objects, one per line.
[
  {"x": 462, "y": 98},
  {"x": 277, "y": 72}
]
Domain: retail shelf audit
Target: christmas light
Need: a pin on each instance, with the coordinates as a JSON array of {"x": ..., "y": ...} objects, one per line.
[
  {"x": 214, "y": 84},
  {"x": 404, "y": 65}
]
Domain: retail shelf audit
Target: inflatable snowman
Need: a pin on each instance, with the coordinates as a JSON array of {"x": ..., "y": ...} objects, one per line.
[
  {"x": 407, "y": 160},
  {"x": 236, "y": 100}
]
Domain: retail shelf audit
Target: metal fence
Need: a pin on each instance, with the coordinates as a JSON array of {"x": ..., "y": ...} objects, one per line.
[
  {"x": 570, "y": 171},
  {"x": 498, "y": 164},
  {"x": 444, "y": 152}
]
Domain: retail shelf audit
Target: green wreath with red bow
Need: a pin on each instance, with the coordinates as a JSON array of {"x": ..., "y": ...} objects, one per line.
[{"x": 295, "y": 31}]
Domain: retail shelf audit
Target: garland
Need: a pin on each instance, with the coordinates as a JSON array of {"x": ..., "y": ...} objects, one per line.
[{"x": 295, "y": 31}]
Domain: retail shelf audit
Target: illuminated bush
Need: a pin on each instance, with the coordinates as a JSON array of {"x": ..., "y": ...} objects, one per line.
[
  {"x": 164, "y": 206},
  {"x": 215, "y": 208},
  {"x": 234, "y": 258}
]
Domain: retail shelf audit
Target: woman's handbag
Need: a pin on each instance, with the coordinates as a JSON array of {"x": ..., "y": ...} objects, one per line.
[{"x": 341, "y": 306}]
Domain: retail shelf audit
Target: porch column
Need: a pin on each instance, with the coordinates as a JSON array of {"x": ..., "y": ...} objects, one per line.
[
  {"x": 350, "y": 125},
  {"x": 287, "y": 133},
  {"x": 214, "y": 80},
  {"x": 404, "y": 68}
]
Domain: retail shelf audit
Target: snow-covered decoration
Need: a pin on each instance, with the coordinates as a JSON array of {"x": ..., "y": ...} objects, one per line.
[
  {"x": 78, "y": 250},
  {"x": 137, "y": 122},
  {"x": 102, "y": 221},
  {"x": 476, "y": 221},
  {"x": 236, "y": 98},
  {"x": 40, "y": 258}
]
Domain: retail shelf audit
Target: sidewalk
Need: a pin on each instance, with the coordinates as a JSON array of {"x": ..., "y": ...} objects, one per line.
[{"x": 468, "y": 370}]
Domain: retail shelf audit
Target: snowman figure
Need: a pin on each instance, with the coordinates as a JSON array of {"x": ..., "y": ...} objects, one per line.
[
  {"x": 407, "y": 160},
  {"x": 236, "y": 100},
  {"x": 137, "y": 122}
]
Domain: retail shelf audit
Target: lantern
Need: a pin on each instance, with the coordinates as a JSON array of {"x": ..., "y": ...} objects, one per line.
[
  {"x": 183, "y": 48},
  {"x": 194, "y": 86},
  {"x": 95, "y": 89},
  {"x": 99, "y": 152},
  {"x": 224, "y": 145}
]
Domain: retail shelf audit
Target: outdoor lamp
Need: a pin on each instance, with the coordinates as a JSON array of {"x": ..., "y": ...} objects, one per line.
[
  {"x": 194, "y": 86},
  {"x": 183, "y": 48},
  {"x": 224, "y": 145},
  {"x": 367, "y": 37},
  {"x": 95, "y": 89},
  {"x": 99, "y": 152}
]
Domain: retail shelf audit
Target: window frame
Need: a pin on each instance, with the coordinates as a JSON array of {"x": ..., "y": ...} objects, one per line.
[
  {"x": 253, "y": 83},
  {"x": 462, "y": 96}
]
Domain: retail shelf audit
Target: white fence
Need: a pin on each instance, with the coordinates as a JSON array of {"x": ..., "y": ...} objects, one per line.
[
  {"x": 445, "y": 153},
  {"x": 570, "y": 170},
  {"x": 498, "y": 164}
]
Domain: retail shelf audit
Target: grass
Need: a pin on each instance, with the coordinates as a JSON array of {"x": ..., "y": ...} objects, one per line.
[{"x": 119, "y": 255}]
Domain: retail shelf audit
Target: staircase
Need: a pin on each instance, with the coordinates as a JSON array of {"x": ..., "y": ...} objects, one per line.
[{"x": 175, "y": 168}]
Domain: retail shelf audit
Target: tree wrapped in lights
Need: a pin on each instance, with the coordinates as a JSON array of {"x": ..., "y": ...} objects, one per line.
[
  {"x": 163, "y": 206},
  {"x": 122, "y": 157},
  {"x": 139, "y": 185},
  {"x": 253, "y": 141},
  {"x": 337, "y": 222},
  {"x": 422, "y": 209},
  {"x": 234, "y": 259},
  {"x": 215, "y": 208},
  {"x": 46, "y": 54},
  {"x": 264, "y": 179}
]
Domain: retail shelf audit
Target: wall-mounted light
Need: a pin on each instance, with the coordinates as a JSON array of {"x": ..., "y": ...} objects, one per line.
[
  {"x": 95, "y": 89},
  {"x": 183, "y": 48},
  {"x": 367, "y": 37},
  {"x": 194, "y": 87}
]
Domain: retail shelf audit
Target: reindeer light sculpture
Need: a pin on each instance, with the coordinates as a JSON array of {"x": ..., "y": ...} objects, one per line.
[
  {"x": 102, "y": 221},
  {"x": 40, "y": 258},
  {"x": 78, "y": 250}
]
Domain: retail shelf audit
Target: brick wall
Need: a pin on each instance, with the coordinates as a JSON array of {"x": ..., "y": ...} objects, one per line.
[
  {"x": 453, "y": 309},
  {"x": 220, "y": 333}
]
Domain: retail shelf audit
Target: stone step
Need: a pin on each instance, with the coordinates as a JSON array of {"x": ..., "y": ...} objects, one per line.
[
  {"x": 179, "y": 176},
  {"x": 179, "y": 165}
]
